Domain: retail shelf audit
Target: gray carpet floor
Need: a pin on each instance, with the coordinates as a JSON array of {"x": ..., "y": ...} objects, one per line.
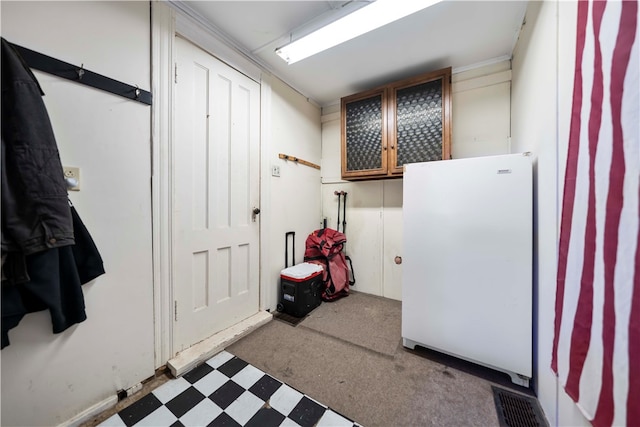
[
  {"x": 361, "y": 319},
  {"x": 348, "y": 354}
]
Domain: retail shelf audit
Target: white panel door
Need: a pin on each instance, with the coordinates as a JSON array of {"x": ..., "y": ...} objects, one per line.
[{"x": 216, "y": 154}]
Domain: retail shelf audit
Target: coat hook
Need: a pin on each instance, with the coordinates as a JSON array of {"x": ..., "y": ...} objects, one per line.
[
  {"x": 137, "y": 92},
  {"x": 80, "y": 72}
]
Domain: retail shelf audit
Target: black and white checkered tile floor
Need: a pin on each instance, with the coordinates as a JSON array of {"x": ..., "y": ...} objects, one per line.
[{"x": 227, "y": 391}]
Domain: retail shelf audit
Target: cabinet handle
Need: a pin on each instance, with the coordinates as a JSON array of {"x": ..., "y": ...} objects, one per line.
[
  {"x": 384, "y": 147},
  {"x": 392, "y": 146}
]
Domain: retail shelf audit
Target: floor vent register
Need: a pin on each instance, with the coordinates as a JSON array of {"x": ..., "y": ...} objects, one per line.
[{"x": 517, "y": 410}]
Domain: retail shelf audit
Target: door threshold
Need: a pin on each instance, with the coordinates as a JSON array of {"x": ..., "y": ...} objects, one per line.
[{"x": 204, "y": 350}]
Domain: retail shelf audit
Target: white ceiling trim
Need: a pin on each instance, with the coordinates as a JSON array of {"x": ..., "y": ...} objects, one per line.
[
  {"x": 516, "y": 36},
  {"x": 215, "y": 32},
  {"x": 187, "y": 12},
  {"x": 481, "y": 64}
]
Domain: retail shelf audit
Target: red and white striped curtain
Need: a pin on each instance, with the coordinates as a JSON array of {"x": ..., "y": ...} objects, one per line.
[{"x": 596, "y": 348}]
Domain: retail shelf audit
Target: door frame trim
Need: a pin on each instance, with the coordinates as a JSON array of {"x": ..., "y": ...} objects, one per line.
[
  {"x": 167, "y": 23},
  {"x": 162, "y": 118}
]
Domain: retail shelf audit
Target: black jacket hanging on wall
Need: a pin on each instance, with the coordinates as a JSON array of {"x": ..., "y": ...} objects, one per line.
[
  {"x": 35, "y": 212},
  {"x": 43, "y": 267},
  {"x": 55, "y": 279}
]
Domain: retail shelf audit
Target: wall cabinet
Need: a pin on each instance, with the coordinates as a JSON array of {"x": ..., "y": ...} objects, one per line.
[{"x": 407, "y": 121}]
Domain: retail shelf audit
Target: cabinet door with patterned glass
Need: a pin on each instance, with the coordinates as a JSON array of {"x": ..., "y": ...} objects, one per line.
[
  {"x": 364, "y": 135},
  {"x": 419, "y": 120}
]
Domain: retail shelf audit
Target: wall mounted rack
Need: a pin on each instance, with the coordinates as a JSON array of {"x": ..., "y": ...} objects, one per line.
[
  {"x": 81, "y": 75},
  {"x": 297, "y": 160}
]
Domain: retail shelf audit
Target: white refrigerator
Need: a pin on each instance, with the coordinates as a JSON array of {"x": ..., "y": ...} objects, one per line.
[{"x": 467, "y": 260}]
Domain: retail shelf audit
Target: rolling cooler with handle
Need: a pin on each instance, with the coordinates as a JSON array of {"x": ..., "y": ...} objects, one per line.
[{"x": 300, "y": 285}]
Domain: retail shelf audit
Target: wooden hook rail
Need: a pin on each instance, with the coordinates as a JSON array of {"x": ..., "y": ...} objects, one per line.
[{"x": 297, "y": 160}]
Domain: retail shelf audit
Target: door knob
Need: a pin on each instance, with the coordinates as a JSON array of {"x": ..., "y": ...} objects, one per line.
[{"x": 255, "y": 212}]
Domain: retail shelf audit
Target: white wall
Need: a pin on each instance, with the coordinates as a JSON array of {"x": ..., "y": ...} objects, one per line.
[
  {"x": 542, "y": 87},
  {"x": 294, "y": 197},
  {"x": 46, "y": 378},
  {"x": 481, "y": 127},
  {"x": 481, "y": 111}
]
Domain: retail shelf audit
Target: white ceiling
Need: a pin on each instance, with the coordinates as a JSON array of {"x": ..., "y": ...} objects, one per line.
[{"x": 459, "y": 34}]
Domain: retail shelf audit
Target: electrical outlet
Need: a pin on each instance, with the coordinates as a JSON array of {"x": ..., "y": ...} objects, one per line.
[
  {"x": 72, "y": 178},
  {"x": 275, "y": 170}
]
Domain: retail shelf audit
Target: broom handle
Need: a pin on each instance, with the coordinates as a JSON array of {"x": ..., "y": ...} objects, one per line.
[{"x": 344, "y": 213}]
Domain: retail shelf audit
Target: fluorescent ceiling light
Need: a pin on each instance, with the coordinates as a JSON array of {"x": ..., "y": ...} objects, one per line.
[{"x": 363, "y": 20}]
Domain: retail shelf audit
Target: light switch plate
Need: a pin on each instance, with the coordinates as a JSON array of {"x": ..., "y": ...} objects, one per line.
[
  {"x": 72, "y": 177},
  {"x": 275, "y": 170}
]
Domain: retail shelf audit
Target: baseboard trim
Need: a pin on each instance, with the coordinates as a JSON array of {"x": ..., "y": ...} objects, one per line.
[
  {"x": 91, "y": 412},
  {"x": 204, "y": 350}
]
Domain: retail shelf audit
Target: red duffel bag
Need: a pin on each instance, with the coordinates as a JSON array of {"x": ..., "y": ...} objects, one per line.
[{"x": 324, "y": 247}]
